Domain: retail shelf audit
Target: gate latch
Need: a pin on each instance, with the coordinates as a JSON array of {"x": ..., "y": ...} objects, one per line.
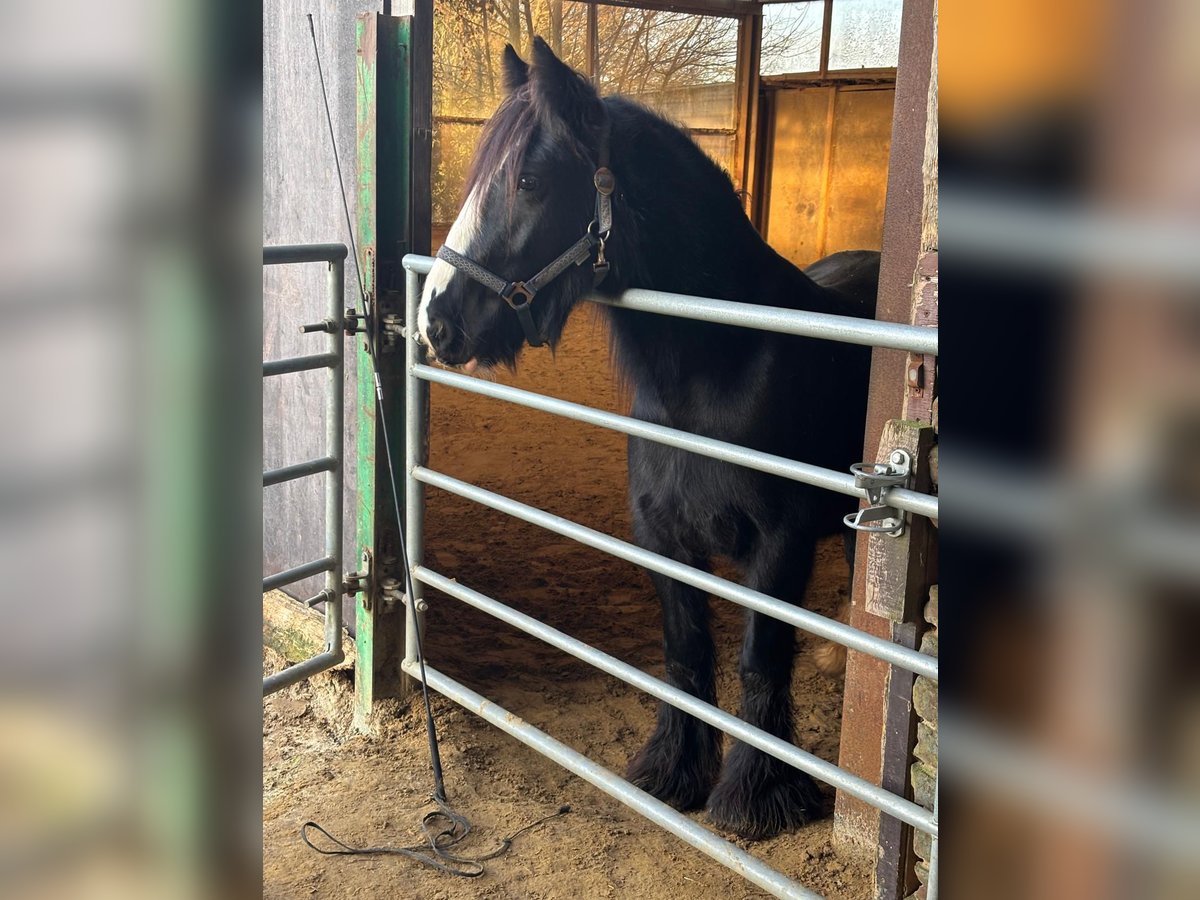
[{"x": 874, "y": 478}]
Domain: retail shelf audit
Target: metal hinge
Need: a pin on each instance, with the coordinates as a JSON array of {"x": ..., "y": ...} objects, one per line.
[
  {"x": 353, "y": 322},
  {"x": 875, "y": 478},
  {"x": 393, "y": 595}
]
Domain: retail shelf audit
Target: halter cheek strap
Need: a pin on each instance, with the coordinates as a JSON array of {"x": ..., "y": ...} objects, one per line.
[{"x": 519, "y": 294}]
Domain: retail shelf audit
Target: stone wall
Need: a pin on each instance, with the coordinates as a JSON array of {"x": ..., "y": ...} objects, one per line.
[{"x": 925, "y": 766}]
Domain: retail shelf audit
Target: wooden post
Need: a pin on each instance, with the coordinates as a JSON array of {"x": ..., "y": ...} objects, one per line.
[
  {"x": 746, "y": 149},
  {"x": 877, "y": 720},
  {"x": 899, "y": 574}
]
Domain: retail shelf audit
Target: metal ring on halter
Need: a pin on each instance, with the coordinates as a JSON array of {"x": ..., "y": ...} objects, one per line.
[
  {"x": 593, "y": 230},
  {"x": 515, "y": 289}
]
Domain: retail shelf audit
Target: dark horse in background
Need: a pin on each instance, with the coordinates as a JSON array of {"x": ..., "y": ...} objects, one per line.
[{"x": 677, "y": 226}]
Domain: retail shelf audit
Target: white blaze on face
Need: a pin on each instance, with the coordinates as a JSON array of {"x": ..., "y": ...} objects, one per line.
[{"x": 462, "y": 235}]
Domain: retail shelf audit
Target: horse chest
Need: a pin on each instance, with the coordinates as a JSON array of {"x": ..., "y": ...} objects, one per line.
[{"x": 698, "y": 504}]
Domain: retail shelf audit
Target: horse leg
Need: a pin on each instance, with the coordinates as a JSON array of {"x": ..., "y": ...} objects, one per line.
[
  {"x": 679, "y": 763},
  {"x": 758, "y": 795}
]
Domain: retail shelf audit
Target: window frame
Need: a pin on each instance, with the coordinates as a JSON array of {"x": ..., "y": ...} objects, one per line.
[{"x": 823, "y": 73}]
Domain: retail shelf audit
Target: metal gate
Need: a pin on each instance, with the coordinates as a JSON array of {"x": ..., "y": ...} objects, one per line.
[
  {"x": 900, "y": 500},
  {"x": 332, "y": 463}
]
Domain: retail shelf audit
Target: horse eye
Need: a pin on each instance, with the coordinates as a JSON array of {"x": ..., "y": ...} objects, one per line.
[{"x": 527, "y": 183}]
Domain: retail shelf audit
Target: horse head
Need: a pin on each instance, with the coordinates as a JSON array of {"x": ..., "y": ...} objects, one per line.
[{"x": 527, "y": 243}]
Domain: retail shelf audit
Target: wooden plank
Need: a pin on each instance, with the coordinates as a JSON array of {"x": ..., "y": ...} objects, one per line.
[
  {"x": 859, "y": 146},
  {"x": 746, "y": 117},
  {"x": 898, "y": 567},
  {"x": 421, "y": 86},
  {"x": 895, "y": 869},
  {"x": 797, "y": 150},
  {"x": 827, "y": 170},
  {"x": 296, "y": 632},
  {"x": 921, "y": 369},
  {"x": 898, "y": 573},
  {"x": 857, "y": 825}
]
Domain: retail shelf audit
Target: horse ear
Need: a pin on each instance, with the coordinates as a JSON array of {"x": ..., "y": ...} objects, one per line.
[
  {"x": 516, "y": 72},
  {"x": 563, "y": 95}
]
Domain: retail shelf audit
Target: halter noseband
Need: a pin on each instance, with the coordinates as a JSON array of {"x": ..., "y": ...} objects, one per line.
[{"x": 519, "y": 294}]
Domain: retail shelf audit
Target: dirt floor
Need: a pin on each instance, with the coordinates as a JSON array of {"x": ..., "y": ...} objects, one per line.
[{"x": 372, "y": 790}]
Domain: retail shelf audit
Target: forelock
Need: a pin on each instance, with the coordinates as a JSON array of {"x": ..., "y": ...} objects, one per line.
[{"x": 504, "y": 142}]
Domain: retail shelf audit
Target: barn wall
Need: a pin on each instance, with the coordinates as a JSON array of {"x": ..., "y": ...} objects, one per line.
[
  {"x": 828, "y": 159},
  {"x": 301, "y": 204}
]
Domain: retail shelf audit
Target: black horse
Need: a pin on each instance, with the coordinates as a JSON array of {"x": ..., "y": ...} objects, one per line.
[{"x": 541, "y": 190}]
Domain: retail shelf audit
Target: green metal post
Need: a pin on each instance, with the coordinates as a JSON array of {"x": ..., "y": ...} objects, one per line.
[{"x": 383, "y": 194}]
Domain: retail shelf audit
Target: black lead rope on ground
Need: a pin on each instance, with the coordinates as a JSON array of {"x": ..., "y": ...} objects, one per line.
[
  {"x": 438, "y": 840},
  {"x": 454, "y": 827}
]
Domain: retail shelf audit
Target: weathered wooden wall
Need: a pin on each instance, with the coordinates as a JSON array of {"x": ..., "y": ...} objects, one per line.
[
  {"x": 828, "y": 165},
  {"x": 301, "y": 204}
]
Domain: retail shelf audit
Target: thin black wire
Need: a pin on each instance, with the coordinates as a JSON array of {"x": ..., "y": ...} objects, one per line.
[
  {"x": 437, "y": 841},
  {"x": 337, "y": 162}
]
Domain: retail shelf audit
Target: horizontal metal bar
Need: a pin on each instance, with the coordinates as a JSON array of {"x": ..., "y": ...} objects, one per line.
[
  {"x": 282, "y": 254},
  {"x": 780, "y": 749},
  {"x": 911, "y": 501},
  {"x": 300, "y": 671},
  {"x": 841, "y": 482},
  {"x": 1033, "y": 235},
  {"x": 846, "y": 329},
  {"x": 1048, "y": 510},
  {"x": 299, "y": 470},
  {"x": 754, "y": 870},
  {"x": 1129, "y": 809},
  {"x": 807, "y": 620},
  {"x": 299, "y": 364},
  {"x": 296, "y": 573}
]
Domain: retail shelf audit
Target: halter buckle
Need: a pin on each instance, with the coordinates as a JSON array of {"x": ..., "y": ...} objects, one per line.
[
  {"x": 517, "y": 289},
  {"x": 604, "y": 180}
]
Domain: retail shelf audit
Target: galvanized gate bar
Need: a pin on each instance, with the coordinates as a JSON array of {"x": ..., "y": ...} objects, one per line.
[
  {"x": 334, "y": 255},
  {"x": 302, "y": 670},
  {"x": 839, "y": 482},
  {"x": 824, "y": 326},
  {"x": 416, "y": 400},
  {"x": 282, "y": 254},
  {"x": 849, "y": 330},
  {"x": 299, "y": 470},
  {"x": 844, "y": 329},
  {"x": 298, "y": 573},
  {"x": 805, "y": 619},
  {"x": 789, "y": 753},
  {"x": 753, "y": 870},
  {"x": 295, "y": 364}
]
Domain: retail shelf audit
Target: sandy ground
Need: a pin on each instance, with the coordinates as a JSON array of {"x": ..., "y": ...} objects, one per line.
[{"x": 373, "y": 790}]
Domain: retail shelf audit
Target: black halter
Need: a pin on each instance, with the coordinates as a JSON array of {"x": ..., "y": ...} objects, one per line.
[{"x": 519, "y": 294}]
